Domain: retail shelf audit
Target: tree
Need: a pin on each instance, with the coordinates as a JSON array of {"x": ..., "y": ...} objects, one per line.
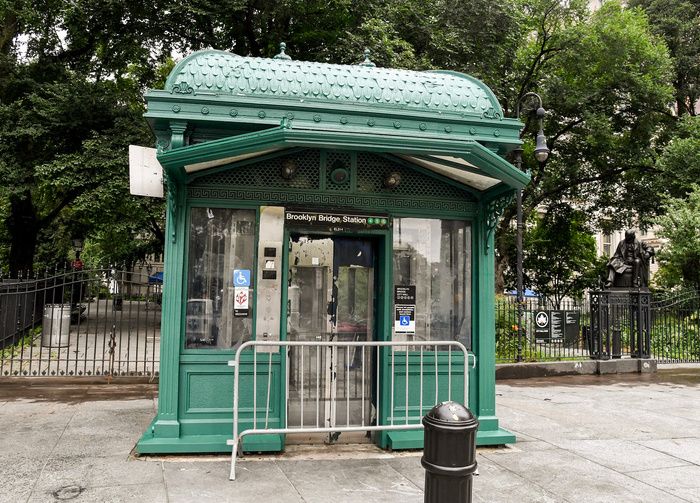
[
  {"x": 679, "y": 162},
  {"x": 679, "y": 258},
  {"x": 677, "y": 22},
  {"x": 70, "y": 72},
  {"x": 604, "y": 78},
  {"x": 561, "y": 259},
  {"x": 605, "y": 81}
]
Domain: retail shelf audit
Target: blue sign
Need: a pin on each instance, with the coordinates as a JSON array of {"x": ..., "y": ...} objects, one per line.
[
  {"x": 404, "y": 321},
  {"x": 241, "y": 277}
]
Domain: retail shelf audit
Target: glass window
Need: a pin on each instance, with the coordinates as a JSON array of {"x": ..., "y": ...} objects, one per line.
[
  {"x": 435, "y": 256},
  {"x": 607, "y": 244},
  {"x": 221, "y": 241}
]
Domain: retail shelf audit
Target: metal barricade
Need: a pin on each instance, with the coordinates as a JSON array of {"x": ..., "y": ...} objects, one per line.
[{"x": 321, "y": 367}]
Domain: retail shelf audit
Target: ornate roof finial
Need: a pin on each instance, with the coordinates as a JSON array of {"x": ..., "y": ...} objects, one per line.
[
  {"x": 367, "y": 61},
  {"x": 282, "y": 55}
]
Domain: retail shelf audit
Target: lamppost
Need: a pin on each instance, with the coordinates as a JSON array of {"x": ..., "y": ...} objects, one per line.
[
  {"x": 77, "y": 248},
  {"x": 541, "y": 154},
  {"x": 76, "y": 284}
]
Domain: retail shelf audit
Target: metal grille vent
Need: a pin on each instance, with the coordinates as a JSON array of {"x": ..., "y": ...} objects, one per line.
[
  {"x": 268, "y": 173},
  {"x": 337, "y": 166},
  {"x": 373, "y": 169}
]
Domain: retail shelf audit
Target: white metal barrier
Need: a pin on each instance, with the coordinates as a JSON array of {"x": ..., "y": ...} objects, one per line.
[{"x": 329, "y": 368}]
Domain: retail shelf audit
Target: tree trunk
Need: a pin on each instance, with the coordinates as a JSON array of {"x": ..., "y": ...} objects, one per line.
[
  {"x": 501, "y": 264},
  {"x": 23, "y": 226}
]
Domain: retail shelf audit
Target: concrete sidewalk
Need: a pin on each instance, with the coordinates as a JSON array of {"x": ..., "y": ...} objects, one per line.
[{"x": 619, "y": 438}]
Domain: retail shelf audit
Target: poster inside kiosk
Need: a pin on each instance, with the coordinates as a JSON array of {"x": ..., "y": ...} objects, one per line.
[{"x": 405, "y": 309}]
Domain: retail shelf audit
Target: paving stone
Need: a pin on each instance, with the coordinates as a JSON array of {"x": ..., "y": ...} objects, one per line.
[
  {"x": 687, "y": 449},
  {"x": 88, "y": 471},
  {"x": 204, "y": 482},
  {"x": 18, "y": 473},
  {"x": 349, "y": 481},
  {"x": 621, "y": 455},
  {"x": 572, "y": 478},
  {"x": 683, "y": 481},
  {"x": 151, "y": 493},
  {"x": 588, "y": 439}
]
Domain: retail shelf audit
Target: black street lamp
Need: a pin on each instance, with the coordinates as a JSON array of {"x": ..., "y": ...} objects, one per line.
[
  {"x": 77, "y": 248},
  {"x": 541, "y": 154}
]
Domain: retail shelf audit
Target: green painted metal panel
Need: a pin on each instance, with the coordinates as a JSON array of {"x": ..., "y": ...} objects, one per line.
[
  {"x": 408, "y": 380},
  {"x": 470, "y": 150},
  {"x": 364, "y": 190},
  {"x": 224, "y": 74}
]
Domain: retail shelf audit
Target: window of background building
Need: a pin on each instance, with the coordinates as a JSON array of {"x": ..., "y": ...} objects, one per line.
[
  {"x": 607, "y": 244},
  {"x": 435, "y": 256},
  {"x": 221, "y": 240}
]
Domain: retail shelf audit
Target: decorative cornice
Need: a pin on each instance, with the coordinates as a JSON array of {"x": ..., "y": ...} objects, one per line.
[
  {"x": 285, "y": 196},
  {"x": 494, "y": 210}
]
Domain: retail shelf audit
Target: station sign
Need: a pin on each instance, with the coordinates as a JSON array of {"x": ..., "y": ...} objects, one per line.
[{"x": 335, "y": 221}]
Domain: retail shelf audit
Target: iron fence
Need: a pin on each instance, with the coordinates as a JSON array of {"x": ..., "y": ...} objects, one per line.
[
  {"x": 98, "y": 322},
  {"x": 620, "y": 323},
  {"x": 604, "y": 324},
  {"x": 550, "y": 332},
  {"x": 675, "y": 327}
]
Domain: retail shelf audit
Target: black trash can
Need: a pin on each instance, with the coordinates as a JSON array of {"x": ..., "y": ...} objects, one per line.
[{"x": 449, "y": 453}]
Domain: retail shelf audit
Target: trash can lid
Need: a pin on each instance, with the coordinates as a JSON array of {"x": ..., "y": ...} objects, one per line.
[{"x": 451, "y": 412}]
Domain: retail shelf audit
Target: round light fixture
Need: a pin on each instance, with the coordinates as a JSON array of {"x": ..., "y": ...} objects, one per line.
[
  {"x": 392, "y": 180},
  {"x": 339, "y": 175},
  {"x": 289, "y": 169}
]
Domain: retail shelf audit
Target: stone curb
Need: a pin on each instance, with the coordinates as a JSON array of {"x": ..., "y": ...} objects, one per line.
[{"x": 580, "y": 367}]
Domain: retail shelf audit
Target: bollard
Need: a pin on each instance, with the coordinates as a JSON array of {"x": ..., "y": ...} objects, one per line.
[{"x": 449, "y": 453}]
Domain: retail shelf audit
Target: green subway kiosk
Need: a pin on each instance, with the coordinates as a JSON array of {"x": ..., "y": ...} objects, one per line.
[{"x": 313, "y": 202}]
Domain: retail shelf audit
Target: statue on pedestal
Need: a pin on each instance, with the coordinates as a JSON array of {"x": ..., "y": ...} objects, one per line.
[{"x": 629, "y": 266}]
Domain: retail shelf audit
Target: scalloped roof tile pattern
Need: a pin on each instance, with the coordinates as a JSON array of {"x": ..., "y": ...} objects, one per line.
[{"x": 223, "y": 72}]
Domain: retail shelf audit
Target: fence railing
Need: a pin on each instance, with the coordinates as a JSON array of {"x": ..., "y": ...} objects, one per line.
[
  {"x": 665, "y": 326},
  {"x": 620, "y": 324},
  {"x": 325, "y": 395},
  {"x": 98, "y": 322},
  {"x": 550, "y": 331},
  {"x": 675, "y": 327}
]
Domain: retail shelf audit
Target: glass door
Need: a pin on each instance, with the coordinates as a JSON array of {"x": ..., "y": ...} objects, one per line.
[{"x": 330, "y": 298}]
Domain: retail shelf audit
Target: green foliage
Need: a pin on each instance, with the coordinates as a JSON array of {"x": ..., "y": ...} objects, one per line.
[
  {"x": 17, "y": 348},
  {"x": 679, "y": 162},
  {"x": 677, "y": 22},
  {"x": 679, "y": 258},
  {"x": 607, "y": 91},
  {"x": 70, "y": 104},
  {"x": 72, "y": 74},
  {"x": 507, "y": 336},
  {"x": 560, "y": 259},
  {"x": 605, "y": 80},
  {"x": 677, "y": 336}
]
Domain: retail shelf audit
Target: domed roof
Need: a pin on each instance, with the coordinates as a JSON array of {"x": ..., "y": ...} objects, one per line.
[{"x": 221, "y": 73}]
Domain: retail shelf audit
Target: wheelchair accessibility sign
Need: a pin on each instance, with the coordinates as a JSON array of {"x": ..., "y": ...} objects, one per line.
[
  {"x": 241, "y": 278},
  {"x": 405, "y": 319}
]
